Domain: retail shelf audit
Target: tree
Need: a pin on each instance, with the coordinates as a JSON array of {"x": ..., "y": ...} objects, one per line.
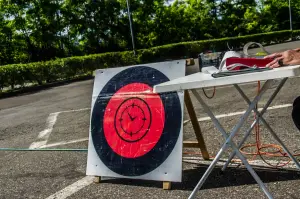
[{"x": 36, "y": 30}]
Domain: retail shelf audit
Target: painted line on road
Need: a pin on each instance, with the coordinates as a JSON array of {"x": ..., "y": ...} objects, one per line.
[
  {"x": 86, "y": 181},
  {"x": 75, "y": 110},
  {"x": 237, "y": 162},
  {"x": 73, "y": 188},
  {"x": 44, "y": 135},
  {"x": 201, "y": 119},
  {"x": 64, "y": 143}
]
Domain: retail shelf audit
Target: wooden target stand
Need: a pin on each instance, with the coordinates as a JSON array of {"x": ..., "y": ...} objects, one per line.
[{"x": 199, "y": 143}]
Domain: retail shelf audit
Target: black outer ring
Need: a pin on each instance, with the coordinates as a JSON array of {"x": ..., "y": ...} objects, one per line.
[
  {"x": 172, "y": 126},
  {"x": 140, "y": 128},
  {"x": 296, "y": 112}
]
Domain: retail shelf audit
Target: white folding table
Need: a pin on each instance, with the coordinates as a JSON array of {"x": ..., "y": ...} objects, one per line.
[{"x": 204, "y": 79}]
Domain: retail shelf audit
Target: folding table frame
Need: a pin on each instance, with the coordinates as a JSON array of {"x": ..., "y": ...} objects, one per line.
[{"x": 228, "y": 137}]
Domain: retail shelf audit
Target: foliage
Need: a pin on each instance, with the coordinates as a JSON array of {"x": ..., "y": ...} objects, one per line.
[
  {"x": 69, "y": 68},
  {"x": 41, "y": 30}
]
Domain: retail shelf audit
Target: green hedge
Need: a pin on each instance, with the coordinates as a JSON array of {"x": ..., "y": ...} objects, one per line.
[
  {"x": 192, "y": 49},
  {"x": 69, "y": 68},
  {"x": 60, "y": 69}
]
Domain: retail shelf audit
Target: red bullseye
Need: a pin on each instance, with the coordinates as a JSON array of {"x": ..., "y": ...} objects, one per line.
[{"x": 134, "y": 120}]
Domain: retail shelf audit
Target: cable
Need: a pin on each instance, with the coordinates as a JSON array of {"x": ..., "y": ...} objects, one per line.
[
  {"x": 277, "y": 149},
  {"x": 260, "y": 148},
  {"x": 278, "y": 152},
  {"x": 214, "y": 92},
  {"x": 43, "y": 149}
]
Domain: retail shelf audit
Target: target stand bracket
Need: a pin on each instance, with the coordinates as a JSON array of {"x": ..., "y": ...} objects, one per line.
[
  {"x": 97, "y": 179},
  {"x": 166, "y": 184}
]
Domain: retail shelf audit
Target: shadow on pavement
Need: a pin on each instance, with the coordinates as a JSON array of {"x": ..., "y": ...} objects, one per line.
[{"x": 231, "y": 177}]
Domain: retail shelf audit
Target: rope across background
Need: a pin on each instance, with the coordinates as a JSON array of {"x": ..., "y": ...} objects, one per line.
[{"x": 259, "y": 147}]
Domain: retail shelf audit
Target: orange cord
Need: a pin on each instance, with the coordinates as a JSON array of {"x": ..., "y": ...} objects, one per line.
[
  {"x": 211, "y": 95},
  {"x": 278, "y": 151},
  {"x": 259, "y": 147}
]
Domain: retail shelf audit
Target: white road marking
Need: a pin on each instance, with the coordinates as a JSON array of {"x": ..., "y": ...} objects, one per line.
[
  {"x": 201, "y": 119},
  {"x": 75, "y": 110},
  {"x": 64, "y": 143},
  {"x": 73, "y": 188},
  {"x": 237, "y": 162},
  {"x": 44, "y": 135},
  {"x": 80, "y": 184}
]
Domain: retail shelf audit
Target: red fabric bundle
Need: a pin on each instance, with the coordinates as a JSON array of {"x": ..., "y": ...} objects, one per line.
[{"x": 250, "y": 62}]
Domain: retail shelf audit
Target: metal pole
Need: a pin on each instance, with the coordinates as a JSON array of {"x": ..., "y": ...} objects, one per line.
[
  {"x": 130, "y": 23},
  {"x": 291, "y": 26}
]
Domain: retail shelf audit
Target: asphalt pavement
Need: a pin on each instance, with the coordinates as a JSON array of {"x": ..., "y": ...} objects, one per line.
[{"x": 59, "y": 117}]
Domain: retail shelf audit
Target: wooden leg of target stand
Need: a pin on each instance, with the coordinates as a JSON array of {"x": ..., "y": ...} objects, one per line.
[
  {"x": 166, "y": 185},
  {"x": 196, "y": 126},
  {"x": 97, "y": 179}
]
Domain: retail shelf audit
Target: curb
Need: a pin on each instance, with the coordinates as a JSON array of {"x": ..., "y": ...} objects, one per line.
[{"x": 28, "y": 90}]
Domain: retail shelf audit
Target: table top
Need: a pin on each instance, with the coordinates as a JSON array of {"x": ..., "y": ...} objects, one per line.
[{"x": 204, "y": 79}]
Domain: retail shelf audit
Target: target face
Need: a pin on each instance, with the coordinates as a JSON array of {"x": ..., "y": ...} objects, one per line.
[{"x": 134, "y": 130}]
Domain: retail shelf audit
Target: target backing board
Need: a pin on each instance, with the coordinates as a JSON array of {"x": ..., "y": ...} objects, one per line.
[{"x": 135, "y": 133}]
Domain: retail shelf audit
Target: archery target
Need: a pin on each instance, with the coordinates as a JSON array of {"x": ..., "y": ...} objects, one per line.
[{"x": 135, "y": 133}]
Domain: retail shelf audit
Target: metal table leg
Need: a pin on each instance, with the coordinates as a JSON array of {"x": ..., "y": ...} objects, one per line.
[
  {"x": 264, "y": 122},
  {"x": 229, "y": 142}
]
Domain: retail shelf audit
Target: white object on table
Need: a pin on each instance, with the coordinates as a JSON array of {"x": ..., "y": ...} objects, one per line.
[{"x": 204, "y": 79}]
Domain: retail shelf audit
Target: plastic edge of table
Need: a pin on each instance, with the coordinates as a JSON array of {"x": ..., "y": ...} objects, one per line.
[{"x": 184, "y": 83}]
